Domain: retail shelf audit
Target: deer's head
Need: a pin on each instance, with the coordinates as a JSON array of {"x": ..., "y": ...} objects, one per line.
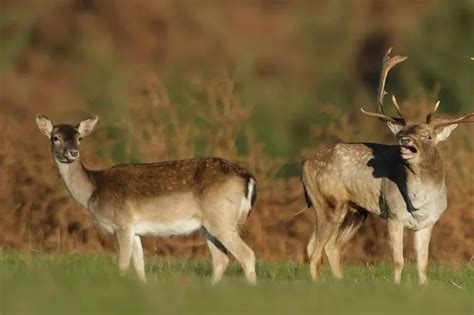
[
  {"x": 417, "y": 140},
  {"x": 65, "y": 139}
]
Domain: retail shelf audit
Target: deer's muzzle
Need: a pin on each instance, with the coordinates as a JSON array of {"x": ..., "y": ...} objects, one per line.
[
  {"x": 69, "y": 156},
  {"x": 408, "y": 149}
]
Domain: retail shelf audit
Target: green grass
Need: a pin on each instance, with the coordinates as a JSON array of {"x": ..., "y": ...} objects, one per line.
[{"x": 32, "y": 283}]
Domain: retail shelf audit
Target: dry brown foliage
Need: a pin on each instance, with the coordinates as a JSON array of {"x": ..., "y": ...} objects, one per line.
[{"x": 37, "y": 212}]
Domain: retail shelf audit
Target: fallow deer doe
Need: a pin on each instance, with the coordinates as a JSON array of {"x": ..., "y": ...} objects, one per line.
[
  {"x": 169, "y": 198},
  {"x": 404, "y": 184}
]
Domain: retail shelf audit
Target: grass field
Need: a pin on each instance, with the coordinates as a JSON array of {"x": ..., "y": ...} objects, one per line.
[{"x": 33, "y": 283}]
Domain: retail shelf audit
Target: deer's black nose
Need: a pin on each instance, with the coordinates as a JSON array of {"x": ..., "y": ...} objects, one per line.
[
  {"x": 74, "y": 153},
  {"x": 406, "y": 141}
]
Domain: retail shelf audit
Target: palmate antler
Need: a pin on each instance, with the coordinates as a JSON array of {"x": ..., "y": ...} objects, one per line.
[{"x": 388, "y": 64}]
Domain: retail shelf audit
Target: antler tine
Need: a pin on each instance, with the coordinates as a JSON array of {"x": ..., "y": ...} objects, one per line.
[
  {"x": 459, "y": 120},
  {"x": 429, "y": 117},
  {"x": 385, "y": 118},
  {"x": 387, "y": 65},
  {"x": 397, "y": 107}
]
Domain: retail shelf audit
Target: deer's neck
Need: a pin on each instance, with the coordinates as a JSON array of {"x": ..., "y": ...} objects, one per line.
[
  {"x": 78, "y": 181},
  {"x": 430, "y": 170}
]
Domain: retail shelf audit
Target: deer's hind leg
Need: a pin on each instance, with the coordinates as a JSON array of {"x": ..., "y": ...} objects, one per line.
[
  {"x": 344, "y": 231},
  {"x": 311, "y": 244},
  {"x": 224, "y": 217},
  {"x": 219, "y": 256},
  {"x": 232, "y": 241},
  {"x": 326, "y": 223}
]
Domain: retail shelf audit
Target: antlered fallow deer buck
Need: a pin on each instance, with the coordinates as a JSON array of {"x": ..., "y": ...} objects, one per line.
[
  {"x": 169, "y": 198},
  {"x": 403, "y": 183}
]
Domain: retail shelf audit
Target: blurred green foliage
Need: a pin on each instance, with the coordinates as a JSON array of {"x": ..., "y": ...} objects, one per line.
[
  {"x": 439, "y": 56},
  {"x": 283, "y": 72}
]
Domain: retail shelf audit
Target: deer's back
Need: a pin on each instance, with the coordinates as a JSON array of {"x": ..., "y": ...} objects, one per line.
[{"x": 155, "y": 179}]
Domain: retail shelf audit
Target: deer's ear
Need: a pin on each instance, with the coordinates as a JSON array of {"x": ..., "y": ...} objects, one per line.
[
  {"x": 444, "y": 132},
  {"x": 86, "y": 126},
  {"x": 44, "y": 125},
  {"x": 394, "y": 128}
]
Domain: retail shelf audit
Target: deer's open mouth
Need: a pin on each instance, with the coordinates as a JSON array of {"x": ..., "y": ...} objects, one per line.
[
  {"x": 408, "y": 151},
  {"x": 66, "y": 159}
]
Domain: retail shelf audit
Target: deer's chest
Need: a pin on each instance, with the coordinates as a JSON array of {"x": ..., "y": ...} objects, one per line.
[
  {"x": 423, "y": 206},
  {"x": 103, "y": 223}
]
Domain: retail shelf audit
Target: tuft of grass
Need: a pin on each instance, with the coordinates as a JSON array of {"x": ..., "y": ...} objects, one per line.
[{"x": 34, "y": 283}]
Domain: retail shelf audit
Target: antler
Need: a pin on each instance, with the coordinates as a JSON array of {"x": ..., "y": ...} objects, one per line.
[
  {"x": 386, "y": 118},
  {"x": 429, "y": 117},
  {"x": 445, "y": 122},
  {"x": 387, "y": 65}
]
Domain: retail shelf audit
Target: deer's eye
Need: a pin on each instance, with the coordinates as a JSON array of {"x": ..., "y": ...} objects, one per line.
[
  {"x": 79, "y": 139},
  {"x": 55, "y": 138}
]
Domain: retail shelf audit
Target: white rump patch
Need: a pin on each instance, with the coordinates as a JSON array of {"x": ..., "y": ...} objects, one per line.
[
  {"x": 246, "y": 203},
  {"x": 179, "y": 227}
]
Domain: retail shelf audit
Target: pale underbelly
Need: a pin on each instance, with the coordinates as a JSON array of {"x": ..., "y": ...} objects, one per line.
[{"x": 177, "y": 227}]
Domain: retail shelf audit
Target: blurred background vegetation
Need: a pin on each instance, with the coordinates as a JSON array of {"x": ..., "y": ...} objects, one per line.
[
  {"x": 285, "y": 58},
  {"x": 261, "y": 82}
]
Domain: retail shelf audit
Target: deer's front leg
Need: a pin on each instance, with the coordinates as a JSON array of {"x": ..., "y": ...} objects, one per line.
[
  {"x": 125, "y": 242},
  {"x": 422, "y": 243},
  {"x": 137, "y": 258},
  {"x": 395, "y": 231}
]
